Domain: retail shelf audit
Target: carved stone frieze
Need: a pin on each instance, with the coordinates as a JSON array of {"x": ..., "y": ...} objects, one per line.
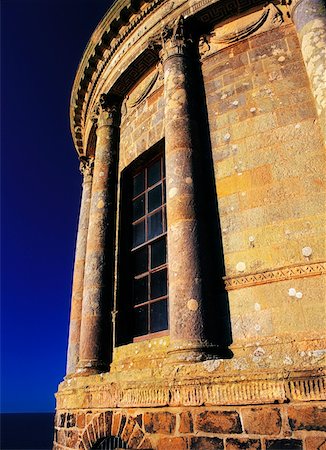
[
  {"x": 269, "y": 17},
  {"x": 215, "y": 391},
  {"x": 274, "y": 276}
]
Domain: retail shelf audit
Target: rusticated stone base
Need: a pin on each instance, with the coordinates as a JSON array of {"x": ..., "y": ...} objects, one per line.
[{"x": 299, "y": 426}]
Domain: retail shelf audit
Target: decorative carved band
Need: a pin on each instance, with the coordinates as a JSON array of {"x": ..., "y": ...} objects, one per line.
[
  {"x": 86, "y": 166},
  {"x": 214, "y": 392},
  {"x": 273, "y": 276}
]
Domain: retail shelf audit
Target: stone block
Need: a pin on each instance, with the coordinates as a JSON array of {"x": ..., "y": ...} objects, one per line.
[
  {"x": 175, "y": 443},
  {"x": 71, "y": 438},
  {"x": 91, "y": 433},
  {"x": 128, "y": 429},
  {"x": 116, "y": 420},
  {"x": 243, "y": 444},
  {"x": 71, "y": 420},
  {"x": 186, "y": 423},
  {"x": 284, "y": 444},
  {"x": 80, "y": 420},
  {"x": 62, "y": 420},
  {"x": 315, "y": 442},
  {"x": 261, "y": 421},
  {"x": 136, "y": 437},
  {"x": 206, "y": 443},
  {"x": 219, "y": 422},
  {"x": 146, "y": 445},
  {"x": 307, "y": 418},
  {"x": 108, "y": 421},
  {"x": 159, "y": 422}
]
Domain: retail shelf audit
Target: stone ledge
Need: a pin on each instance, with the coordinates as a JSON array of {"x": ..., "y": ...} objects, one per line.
[{"x": 275, "y": 388}]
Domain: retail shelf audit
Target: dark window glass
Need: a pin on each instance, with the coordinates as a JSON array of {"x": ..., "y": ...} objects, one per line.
[
  {"x": 140, "y": 261},
  {"x": 141, "y": 320},
  {"x": 154, "y": 173},
  {"x": 154, "y": 198},
  {"x": 139, "y": 183},
  {"x": 138, "y": 207},
  {"x": 155, "y": 225},
  {"x": 159, "y": 284},
  {"x": 141, "y": 290},
  {"x": 149, "y": 252},
  {"x": 158, "y": 253},
  {"x": 138, "y": 233},
  {"x": 159, "y": 316}
]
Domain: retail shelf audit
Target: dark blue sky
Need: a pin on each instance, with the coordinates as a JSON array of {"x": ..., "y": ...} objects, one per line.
[{"x": 42, "y": 43}]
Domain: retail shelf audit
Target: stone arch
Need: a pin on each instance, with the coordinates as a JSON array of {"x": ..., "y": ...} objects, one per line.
[{"x": 118, "y": 424}]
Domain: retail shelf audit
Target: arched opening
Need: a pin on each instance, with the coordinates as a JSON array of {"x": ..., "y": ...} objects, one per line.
[{"x": 110, "y": 443}]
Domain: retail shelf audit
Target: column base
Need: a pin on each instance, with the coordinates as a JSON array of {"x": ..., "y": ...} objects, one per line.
[
  {"x": 181, "y": 351},
  {"x": 88, "y": 367}
]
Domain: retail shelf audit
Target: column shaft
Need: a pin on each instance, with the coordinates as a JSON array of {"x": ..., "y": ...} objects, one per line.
[
  {"x": 86, "y": 168},
  {"x": 186, "y": 299},
  {"x": 98, "y": 289},
  {"x": 309, "y": 17}
]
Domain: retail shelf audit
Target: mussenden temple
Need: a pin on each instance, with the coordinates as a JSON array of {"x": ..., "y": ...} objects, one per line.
[{"x": 198, "y": 300}]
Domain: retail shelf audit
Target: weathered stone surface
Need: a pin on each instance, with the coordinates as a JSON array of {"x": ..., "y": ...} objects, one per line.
[
  {"x": 314, "y": 442},
  {"x": 186, "y": 423},
  {"x": 175, "y": 443},
  {"x": 219, "y": 422},
  {"x": 261, "y": 420},
  {"x": 80, "y": 420},
  {"x": 307, "y": 418},
  {"x": 206, "y": 443},
  {"x": 284, "y": 444},
  {"x": 136, "y": 437},
  {"x": 160, "y": 422},
  {"x": 237, "y": 444},
  {"x": 72, "y": 438}
]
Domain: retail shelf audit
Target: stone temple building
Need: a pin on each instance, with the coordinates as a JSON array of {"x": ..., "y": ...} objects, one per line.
[{"x": 197, "y": 317}]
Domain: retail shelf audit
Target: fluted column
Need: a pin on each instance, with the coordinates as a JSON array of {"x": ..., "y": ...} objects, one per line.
[
  {"x": 309, "y": 17},
  {"x": 182, "y": 153},
  {"x": 86, "y": 168},
  {"x": 98, "y": 279}
]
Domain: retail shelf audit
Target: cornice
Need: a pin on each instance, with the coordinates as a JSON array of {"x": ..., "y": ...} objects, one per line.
[
  {"x": 116, "y": 17},
  {"x": 109, "y": 36}
]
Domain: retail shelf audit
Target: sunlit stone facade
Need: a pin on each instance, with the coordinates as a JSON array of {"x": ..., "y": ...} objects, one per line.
[{"x": 198, "y": 301}]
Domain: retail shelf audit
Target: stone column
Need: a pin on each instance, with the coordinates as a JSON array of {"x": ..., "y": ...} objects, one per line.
[
  {"x": 309, "y": 17},
  {"x": 186, "y": 299},
  {"x": 86, "y": 168},
  {"x": 98, "y": 279}
]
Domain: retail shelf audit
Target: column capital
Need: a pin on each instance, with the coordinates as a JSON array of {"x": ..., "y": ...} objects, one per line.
[
  {"x": 86, "y": 167},
  {"x": 106, "y": 112},
  {"x": 172, "y": 40}
]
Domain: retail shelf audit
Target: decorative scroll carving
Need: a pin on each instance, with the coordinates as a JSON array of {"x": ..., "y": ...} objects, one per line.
[
  {"x": 213, "y": 392},
  {"x": 86, "y": 166},
  {"x": 273, "y": 276},
  {"x": 271, "y": 17}
]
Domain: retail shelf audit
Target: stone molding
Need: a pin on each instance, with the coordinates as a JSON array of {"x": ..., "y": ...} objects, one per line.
[
  {"x": 273, "y": 388},
  {"x": 303, "y": 270}
]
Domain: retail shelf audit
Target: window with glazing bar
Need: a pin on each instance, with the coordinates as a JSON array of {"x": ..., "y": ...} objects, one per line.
[{"x": 149, "y": 271}]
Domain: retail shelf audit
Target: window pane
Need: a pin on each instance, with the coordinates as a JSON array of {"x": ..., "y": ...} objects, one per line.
[
  {"x": 138, "y": 233},
  {"x": 140, "y": 261},
  {"x": 141, "y": 290},
  {"x": 138, "y": 208},
  {"x": 154, "y": 173},
  {"x": 139, "y": 183},
  {"x": 159, "y": 284},
  {"x": 141, "y": 320},
  {"x": 155, "y": 226},
  {"x": 159, "y": 316},
  {"x": 158, "y": 253},
  {"x": 155, "y": 198}
]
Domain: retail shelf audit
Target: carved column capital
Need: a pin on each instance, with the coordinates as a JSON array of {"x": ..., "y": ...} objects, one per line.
[
  {"x": 106, "y": 112},
  {"x": 173, "y": 38},
  {"x": 86, "y": 167}
]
